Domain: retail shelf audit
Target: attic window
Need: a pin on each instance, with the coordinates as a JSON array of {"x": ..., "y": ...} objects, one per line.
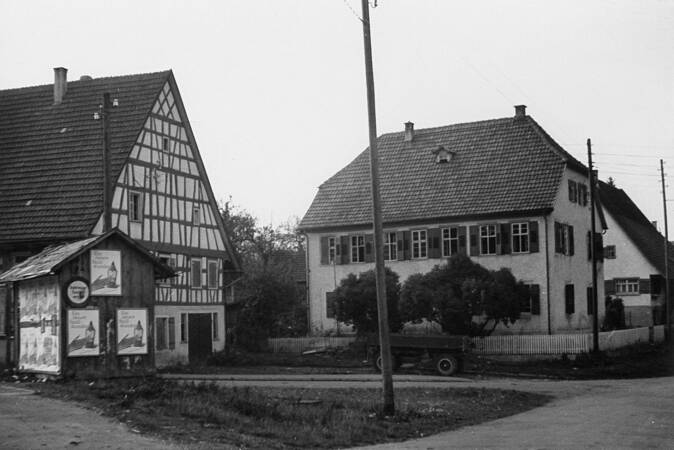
[{"x": 442, "y": 155}]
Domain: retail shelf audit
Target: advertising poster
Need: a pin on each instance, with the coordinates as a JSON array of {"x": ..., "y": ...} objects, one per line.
[
  {"x": 83, "y": 333},
  {"x": 106, "y": 269},
  {"x": 40, "y": 330},
  {"x": 132, "y": 331}
]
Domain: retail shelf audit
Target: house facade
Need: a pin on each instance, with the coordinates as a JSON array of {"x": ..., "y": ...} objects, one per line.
[
  {"x": 634, "y": 264},
  {"x": 501, "y": 191},
  {"x": 79, "y": 158}
]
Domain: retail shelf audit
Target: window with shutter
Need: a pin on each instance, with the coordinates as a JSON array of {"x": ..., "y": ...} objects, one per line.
[
  {"x": 626, "y": 286},
  {"x": 369, "y": 248},
  {"x": 487, "y": 239},
  {"x": 520, "y": 237},
  {"x": 573, "y": 191},
  {"x": 358, "y": 248},
  {"x": 570, "y": 299},
  {"x": 419, "y": 244},
  {"x": 390, "y": 246},
  {"x": 450, "y": 241},
  {"x": 570, "y": 240}
]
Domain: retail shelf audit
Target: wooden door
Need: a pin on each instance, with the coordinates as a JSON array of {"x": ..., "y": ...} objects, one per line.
[{"x": 200, "y": 337}]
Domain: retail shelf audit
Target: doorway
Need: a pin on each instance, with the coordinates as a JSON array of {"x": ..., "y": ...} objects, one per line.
[{"x": 200, "y": 337}]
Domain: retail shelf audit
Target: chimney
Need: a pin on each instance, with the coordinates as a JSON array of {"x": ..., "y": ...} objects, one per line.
[
  {"x": 60, "y": 84},
  {"x": 409, "y": 131},
  {"x": 520, "y": 111}
]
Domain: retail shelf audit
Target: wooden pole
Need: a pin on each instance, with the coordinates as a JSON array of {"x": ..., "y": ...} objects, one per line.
[
  {"x": 593, "y": 252},
  {"x": 107, "y": 191},
  {"x": 380, "y": 272},
  {"x": 668, "y": 310}
]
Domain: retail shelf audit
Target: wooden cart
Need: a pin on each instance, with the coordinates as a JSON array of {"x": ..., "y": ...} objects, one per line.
[{"x": 447, "y": 352}]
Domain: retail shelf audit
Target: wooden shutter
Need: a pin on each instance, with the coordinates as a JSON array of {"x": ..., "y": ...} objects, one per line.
[
  {"x": 533, "y": 237},
  {"x": 558, "y": 231},
  {"x": 571, "y": 245},
  {"x": 590, "y": 303},
  {"x": 644, "y": 286},
  {"x": 324, "y": 250},
  {"x": 344, "y": 244},
  {"x": 434, "y": 243},
  {"x": 462, "y": 240},
  {"x": 505, "y": 238},
  {"x": 570, "y": 299},
  {"x": 609, "y": 287},
  {"x": 589, "y": 245},
  {"x": 473, "y": 231},
  {"x": 406, "y": 245},
  {"x": 401, "y": 245},
  {"x": 497, "y": 229},
  {"x": 172, "y": 333},
  {"x": 535, "y": 292},
  {"x": 369, "y": 248},
  {"x": 599, "y": 246}
]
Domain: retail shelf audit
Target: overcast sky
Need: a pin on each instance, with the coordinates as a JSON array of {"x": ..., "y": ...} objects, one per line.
[{"x": 275, "y": 89}]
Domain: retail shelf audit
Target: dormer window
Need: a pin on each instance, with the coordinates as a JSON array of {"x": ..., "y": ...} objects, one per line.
[{"x": 442, "y": 155}]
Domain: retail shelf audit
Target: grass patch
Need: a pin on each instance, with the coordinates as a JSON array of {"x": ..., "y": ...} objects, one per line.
[{"x": 275, "y": 418}]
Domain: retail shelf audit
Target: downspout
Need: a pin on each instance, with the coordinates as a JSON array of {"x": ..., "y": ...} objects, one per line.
[
  {"x": 307, "y": 291},
  {"x": 107, "y": 192},
  {"x": 547, "y": 272}
]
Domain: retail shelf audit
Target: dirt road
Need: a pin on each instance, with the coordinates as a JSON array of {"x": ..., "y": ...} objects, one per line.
[{"x": 29, "y": 421}]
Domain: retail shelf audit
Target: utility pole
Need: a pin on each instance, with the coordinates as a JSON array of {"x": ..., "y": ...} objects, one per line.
[
  {"x": 107, "y": 191},
  {"x": 380, "y": 272},
  {"x": 593, "y": 252},
  {"x": 668, "y": 310}
]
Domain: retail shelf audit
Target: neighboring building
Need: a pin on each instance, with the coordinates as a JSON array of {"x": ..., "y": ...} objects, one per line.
[
  {"x": 634, "y": 259},
  {"x": 57, "y": 184},
  {"x": 502, "y": 191}
]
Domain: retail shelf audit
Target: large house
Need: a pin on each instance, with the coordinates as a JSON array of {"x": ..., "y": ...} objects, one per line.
[
  {"x": 634, "y": 253},
  {"x": 78, "y": 158},
  {"x": 502, "y": 191}
]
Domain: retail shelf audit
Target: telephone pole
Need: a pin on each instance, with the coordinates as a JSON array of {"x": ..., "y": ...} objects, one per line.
[
  {"x": 593, "y": 252},
  {"x": 668, "y": 310},
  {"x": 380, "y": 272}
]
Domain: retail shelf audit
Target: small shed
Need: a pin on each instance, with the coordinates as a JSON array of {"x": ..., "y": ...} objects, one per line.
[{"x": 86, "y": 308}]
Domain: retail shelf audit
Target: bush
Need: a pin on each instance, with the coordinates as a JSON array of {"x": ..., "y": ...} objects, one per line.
[
  {"x": 356, "y": 302},
  {"x": 614, "y": 319}
]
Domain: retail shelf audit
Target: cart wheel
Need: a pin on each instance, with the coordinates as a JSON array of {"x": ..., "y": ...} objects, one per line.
[
  {"x": 378, "y": 364},
  {"x": 446, "y": 365}
]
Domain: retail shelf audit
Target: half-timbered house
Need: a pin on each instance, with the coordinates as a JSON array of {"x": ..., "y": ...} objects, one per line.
[{"x": 78, "y": 158}]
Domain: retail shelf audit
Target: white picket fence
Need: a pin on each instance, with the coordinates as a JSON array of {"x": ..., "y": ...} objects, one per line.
[{"x": 533, "y": 344}]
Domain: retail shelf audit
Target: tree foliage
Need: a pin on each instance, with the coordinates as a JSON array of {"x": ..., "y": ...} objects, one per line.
[
  {"x": 463, "y": 297},
  {"x": 356, "y": 301},
  {"x": 269, "y": 299}
]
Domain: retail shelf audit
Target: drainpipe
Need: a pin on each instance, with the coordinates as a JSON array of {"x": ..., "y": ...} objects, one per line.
[
  {"x": 107, "y": 191},
  {"x": 547, "y": 272}
]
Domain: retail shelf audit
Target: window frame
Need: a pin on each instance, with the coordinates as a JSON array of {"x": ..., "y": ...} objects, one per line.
[
  {"x": 194, "y": 261},
  {"x": 357, "y": 242},
  {"x": 624, "y": 284},
  {"x": 196, "y": 216},
  {"x": 209, "y": 263},
  {"x": 332, "y": 249},
  {"x": 138, "y": 203},
  {"x": 419, "y": 247},
  {"x": 487, "y": 238},
  {"x": 390, "y": 246},
  {"x": 165, "y": 146},
  {"x": 573, "y": 191},
  {"x": 521, "y": 237},
  {"x": 610, "y": 252},
  {"x": 450, "y": 244}
]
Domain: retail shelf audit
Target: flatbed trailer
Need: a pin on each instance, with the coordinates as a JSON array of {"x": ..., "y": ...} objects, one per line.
[{"x": 447, "y": 352}]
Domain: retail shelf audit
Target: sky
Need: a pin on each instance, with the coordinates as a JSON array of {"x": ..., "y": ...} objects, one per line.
[{"x": 275, "y": 89}]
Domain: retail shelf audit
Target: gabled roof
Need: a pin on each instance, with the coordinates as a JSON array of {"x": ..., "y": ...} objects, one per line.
[
  {"x": 50, "y": 155},
  {"x": 643, "y": 234},
  {"x": 508, "y": 166},
  {"x": 55, "y": 256}
]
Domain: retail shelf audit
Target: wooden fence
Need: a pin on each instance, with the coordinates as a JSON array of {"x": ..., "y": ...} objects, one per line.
[
  {"x": 299, "y": 345},
  {"x": 556, "y": 344}
]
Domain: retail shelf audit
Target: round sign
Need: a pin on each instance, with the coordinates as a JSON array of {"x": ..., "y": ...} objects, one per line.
[{"x": 77, "y": 291}]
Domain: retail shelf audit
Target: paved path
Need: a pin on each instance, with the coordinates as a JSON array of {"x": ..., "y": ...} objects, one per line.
[{"x": 29, "y": 421}]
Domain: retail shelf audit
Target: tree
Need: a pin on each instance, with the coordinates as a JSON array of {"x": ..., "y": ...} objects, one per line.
[
  {"x": 356, "y": 301},
  {"x": 269, "y": 302},
  {"x": 463, "y": 297}
]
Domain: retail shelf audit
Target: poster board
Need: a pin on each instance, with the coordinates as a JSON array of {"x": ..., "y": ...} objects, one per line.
[
  {"x": 132, "y": 331},
  {"x": 83, "y": 332},
  {"x": 106, "y": 269},
  {"x": 39, "y": 323}
]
